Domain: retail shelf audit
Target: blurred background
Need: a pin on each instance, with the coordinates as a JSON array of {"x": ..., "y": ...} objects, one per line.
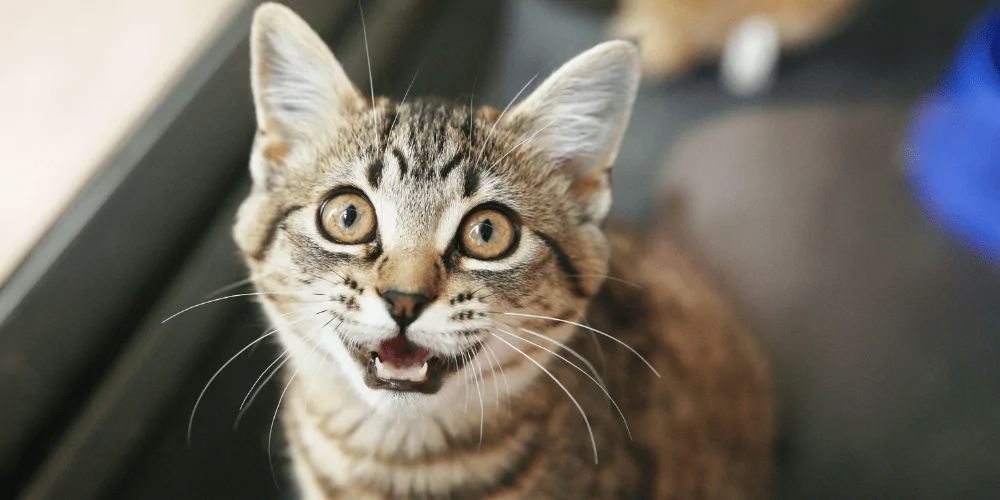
[{"x": 800, "y": 185}]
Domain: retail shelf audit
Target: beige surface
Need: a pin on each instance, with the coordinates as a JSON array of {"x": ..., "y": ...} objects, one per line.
[
  {"x": 77, "y": 77},
  {"x": 882, "y": 331}
]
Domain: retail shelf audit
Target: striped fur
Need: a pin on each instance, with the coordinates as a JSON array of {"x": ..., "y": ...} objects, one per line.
[{"x": 497, "y": 426}]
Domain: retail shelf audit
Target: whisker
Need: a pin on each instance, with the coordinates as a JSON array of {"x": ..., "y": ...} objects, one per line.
[
  {"x": 254, "y": 385},
  {"x": 327, "y": 301},
  {"x": 567, "y": 348},
  {"x": 597, "y": 344},
  {"x": 311, "y": 384},
  {"x": 466, "y": 411},
  {"x": 509, "y": 104},
  {"x": 254, "y": 348},
  {"x": 245, "y": 405},
  {"x": 394, "y": 118},
  {"x": 581, "y": 370},
  {"x": 238, "y": 295},
  {"x": 561, "y": 386},
  {"x": 600, "y": 351},
  {"x": 493, "y": 375},
  {"x": 587, "y": 328},
  {"x": 609, "y": 278},
  {"x": 252, "y": 398},
  {"x": 224, "y": 365},
  {"x": 301, "y": 310},
  {"x": 472, "y": 97},
  {"x": 270, "y": 459},
  {"x": 482, "y": 408},
  {"x": 316, "y": 276},
  {"x": 231, "y": 286},
  {"x": 504, "y": 375},
  {"x": 371, "y": 82},
  {"x": 530, "y": 137}
]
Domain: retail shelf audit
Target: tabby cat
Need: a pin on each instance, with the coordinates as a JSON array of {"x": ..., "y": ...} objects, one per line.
[{"x": 456, "y": 318}]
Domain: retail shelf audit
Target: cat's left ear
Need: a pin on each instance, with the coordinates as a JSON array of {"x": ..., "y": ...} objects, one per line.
[{"x": 579, "y": 115}]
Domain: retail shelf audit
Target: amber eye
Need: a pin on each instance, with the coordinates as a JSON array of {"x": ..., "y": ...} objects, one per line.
[
  {"x": 348, "y": 218},
  {"x": 487, "y": 233}
]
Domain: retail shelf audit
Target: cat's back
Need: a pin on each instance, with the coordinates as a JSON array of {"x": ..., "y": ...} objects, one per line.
[{"x": 707, "y": 420}]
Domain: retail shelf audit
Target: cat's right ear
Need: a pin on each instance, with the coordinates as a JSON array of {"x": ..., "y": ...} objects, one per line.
[
  {"x": 578, "y": 116},
  {"x": 299, "y": 88}
]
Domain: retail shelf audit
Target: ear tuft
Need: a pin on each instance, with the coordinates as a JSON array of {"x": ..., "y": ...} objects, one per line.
[
  {"x": 580, "y": 114},
  {"x": 299, "y": 87},
  {"x": 585, "y": 105}
]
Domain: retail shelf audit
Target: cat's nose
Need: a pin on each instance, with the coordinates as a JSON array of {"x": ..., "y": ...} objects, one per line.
[{"x": 405, "y": 307}]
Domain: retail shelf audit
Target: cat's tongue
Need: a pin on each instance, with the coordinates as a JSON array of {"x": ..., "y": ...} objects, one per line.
[{"x": 398, "y": 359}]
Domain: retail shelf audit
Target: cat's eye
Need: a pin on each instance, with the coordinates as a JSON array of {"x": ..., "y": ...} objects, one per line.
[
  {"x": 487, "y": 233},
  {"x": 347, "y": 217}
]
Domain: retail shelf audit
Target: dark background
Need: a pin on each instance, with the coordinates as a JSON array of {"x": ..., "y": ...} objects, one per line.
[{"x": 882, "y": 331}]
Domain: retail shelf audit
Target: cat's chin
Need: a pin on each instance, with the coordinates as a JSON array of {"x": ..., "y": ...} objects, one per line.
[{"x": 399, "y": 366}]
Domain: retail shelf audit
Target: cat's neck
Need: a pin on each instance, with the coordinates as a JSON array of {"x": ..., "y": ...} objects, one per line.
[
  {"x": 477, "y": 411},
  {"x": 346, "y": 444}
]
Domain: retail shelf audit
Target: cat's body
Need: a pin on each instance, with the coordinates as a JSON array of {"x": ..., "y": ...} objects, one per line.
[
  {"x": 703, "y": 431},
  {"x": 428, "y": 265}
]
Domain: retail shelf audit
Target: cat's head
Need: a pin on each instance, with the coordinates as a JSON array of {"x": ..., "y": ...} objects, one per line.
[{"x": 408, "y": 242}]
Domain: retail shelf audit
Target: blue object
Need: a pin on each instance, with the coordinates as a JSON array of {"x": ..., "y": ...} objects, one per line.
[{"x": 954, "y": 142}]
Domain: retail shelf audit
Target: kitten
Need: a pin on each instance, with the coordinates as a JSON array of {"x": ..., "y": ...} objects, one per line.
[
  {"x": 675, "y": 35},
  {"x": 429, "y": 266}
]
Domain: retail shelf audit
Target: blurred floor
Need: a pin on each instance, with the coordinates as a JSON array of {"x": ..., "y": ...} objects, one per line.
[
  {"x": 78, "y": 76},
  {"x": 882, "y": 331}
]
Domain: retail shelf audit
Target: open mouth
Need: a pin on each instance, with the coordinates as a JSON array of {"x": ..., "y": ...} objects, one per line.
[{"x": 399, "y": 365}]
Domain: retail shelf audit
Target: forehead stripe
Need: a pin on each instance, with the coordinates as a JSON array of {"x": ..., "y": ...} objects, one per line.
[
  {"x": 564, "y": 263},
  {"x": 403, "y": 167},
  {"x": 471, "y": 182},
  {"x": 387, "y": 125},
  {"x": 272, "y": 231},
  {"x": 448, "y": 167},
  {"x": 375, "y": 173}
]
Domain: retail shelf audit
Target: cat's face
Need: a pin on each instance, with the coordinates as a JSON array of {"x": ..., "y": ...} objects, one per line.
[{"x": 404, "y": 244}]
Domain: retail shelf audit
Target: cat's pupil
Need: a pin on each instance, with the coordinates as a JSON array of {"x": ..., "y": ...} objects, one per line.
[
  {"x": 349, "y": 217},
  {"x": 486, "y": 230}
]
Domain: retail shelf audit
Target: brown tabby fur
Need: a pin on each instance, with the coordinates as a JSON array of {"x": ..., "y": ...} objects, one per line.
[{"x": 701, "y": 431}]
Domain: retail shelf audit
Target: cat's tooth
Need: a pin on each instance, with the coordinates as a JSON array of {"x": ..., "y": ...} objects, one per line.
[
  {"x": 423, "y": 370},
  {"x": 379, "y": 369}
]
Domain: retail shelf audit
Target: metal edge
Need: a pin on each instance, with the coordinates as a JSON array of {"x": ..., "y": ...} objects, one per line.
[
  {"x": 68, "y": 226},
  {"x": 100, "y": 424}
]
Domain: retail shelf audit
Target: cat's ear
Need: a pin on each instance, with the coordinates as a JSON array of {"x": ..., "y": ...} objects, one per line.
[
  {"x": 299, "y": 88},
  {"x": 580, "y": 114}
]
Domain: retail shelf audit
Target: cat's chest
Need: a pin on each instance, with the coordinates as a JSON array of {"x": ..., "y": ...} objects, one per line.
[{"x": 345, "y": 452}]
